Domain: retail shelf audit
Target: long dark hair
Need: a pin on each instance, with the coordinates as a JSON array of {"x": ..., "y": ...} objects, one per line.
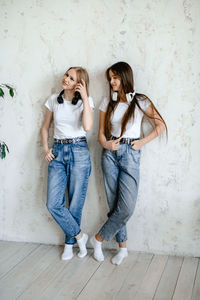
[{"x": 124, "y": 71}]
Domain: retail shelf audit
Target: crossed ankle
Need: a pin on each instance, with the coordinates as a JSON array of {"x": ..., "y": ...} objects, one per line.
[
  {"x": 98, "y": 253},
  {"x": 99, "y": 238},
  {"x": 118, "y": 258},
  {"x": 82, "y": 245},
  {"x": 68, "y": 252}
]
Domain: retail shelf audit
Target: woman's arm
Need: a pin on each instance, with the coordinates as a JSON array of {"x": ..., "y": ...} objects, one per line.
[
  {"x": 87, "y": 115},
  {"x": 110, "y": 145},
  {"x": 159, "y": 128},
  {"x": 87, "y": 110},
  {"x": 44, "y": 132}
]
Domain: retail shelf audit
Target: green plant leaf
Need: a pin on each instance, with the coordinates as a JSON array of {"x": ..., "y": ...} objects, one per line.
[
  {"x": 3, "y": 149},
  {"x": 6, "y": 148},
  {"x": 3, "y": 155},
  {"x": 11, "y": 92},
  {"x": 1, "y": 92},
  {"x": 8, "y": 86}
]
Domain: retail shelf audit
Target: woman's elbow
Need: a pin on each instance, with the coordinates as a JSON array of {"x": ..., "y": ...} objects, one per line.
[
  {"x": 87, "y": 128},
  {"x": 160, "y": 129}
]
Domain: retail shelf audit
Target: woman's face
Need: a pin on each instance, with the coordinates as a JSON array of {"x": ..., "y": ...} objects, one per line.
[
  {"x": 69, "y": 81},
  {"x": 115, "y": 81}
]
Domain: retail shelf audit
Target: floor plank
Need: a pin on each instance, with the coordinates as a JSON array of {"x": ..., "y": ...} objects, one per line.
[
  {"x": 15, "y": 255},
  {"x": 15, "y": 282},
  {"x": 169, "y": 278},
  {"x": 108, "y": 279},
  {"x": 196, "y": 289},
  {"x": 33, "y": 271},
  {"x": 148, "y": 287},
  {"x": 5, "y": 246},
  {"x": 71, "y": 279},
  {"x": 135, "y": 277},
  {"x": 8, "y": 248},
  {"x": 41, "y": 283},
  {"x": 186, "y": 278}
]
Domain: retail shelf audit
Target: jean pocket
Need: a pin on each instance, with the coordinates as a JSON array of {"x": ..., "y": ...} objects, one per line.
[
  {"x": 135, "y": 155},
  {"x": 104, "y": 151},
  {"x": 81, "y": 153},
  {"x": 55, "y": 151},
  {"x": 107, "y": 152},
  {"x": 81, "y": 145},
  {"x": 137, "y": 151}
]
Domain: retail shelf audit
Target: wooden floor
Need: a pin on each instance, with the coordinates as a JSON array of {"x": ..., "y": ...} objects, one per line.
[{"x": 35, "y": 271}]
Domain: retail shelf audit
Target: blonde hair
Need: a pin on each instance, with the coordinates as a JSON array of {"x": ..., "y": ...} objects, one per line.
[{"x": 81, "y": 74}]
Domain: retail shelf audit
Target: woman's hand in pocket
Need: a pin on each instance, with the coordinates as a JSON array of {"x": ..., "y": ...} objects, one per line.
[
  {"x": 137, "y": 145},
  {"x": 49, "y": 155}
]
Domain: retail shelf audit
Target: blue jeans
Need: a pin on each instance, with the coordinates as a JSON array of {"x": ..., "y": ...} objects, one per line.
[
  {"x": 121, "y": 179},
  {"x": 69, "y": 170}
]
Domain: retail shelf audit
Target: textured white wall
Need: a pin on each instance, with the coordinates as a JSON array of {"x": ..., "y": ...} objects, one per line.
[{"x": 161, "y": 40}]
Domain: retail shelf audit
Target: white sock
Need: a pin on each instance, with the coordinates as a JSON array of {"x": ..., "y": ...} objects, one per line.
[
  {"x": 98, "y": 254},
  {"x": 82, "y": 245},
  {"x": 117, "y": 259},
  {"x": 68, "y": 252}
]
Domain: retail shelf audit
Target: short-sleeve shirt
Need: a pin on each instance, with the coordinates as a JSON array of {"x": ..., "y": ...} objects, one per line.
[
  {"x": 133, "y": 127},
  {"x": 67, "y": 117}
]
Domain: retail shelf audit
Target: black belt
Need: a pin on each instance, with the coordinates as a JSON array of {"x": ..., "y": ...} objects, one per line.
[
  {"x": 70, "y": 141},
  {"x": 124, "y": 140}
]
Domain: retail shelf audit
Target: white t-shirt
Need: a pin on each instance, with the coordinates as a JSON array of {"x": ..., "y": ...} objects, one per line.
[
  {"x": 134, "y": 124},
  {"x": 67, "y": 117}
]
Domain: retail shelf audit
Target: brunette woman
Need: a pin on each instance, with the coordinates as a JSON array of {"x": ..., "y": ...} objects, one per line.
[{"x": 120, "y": 135}]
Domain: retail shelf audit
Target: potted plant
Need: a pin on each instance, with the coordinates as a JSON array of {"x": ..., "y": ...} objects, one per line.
[{"x": 3, "y": 146}]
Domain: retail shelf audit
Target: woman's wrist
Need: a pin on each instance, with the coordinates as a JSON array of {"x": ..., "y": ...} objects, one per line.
[
  {"x": 106, "y": 145},
  {"x": 85, "y": 99},
  {"x": 143, "y": 141},
  {"x": 45, "y": 150},
  {"x": 103, "y": 143}
]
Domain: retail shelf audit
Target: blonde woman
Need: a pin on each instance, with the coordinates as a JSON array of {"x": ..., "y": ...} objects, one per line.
[{"x": 69, "y": 159}]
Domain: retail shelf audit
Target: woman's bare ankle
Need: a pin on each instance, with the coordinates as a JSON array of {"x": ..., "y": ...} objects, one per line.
[
  {"x": 98, "y": 237},
  {"x": 122, "y": 244},
  {"x": 79, "y": 236}
]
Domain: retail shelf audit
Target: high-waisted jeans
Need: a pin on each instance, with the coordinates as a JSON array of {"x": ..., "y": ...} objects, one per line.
[
  {"x": 69, "y": 170},
  {"x": 121, "y": 179}
]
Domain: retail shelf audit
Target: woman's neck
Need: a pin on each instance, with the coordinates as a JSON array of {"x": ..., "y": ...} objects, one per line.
[
  {"x": 122, "y": 96},
  {"x": 68, "y": 94}
]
